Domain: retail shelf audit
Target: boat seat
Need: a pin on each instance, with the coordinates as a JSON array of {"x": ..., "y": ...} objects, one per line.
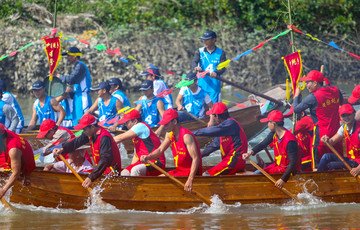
[{"x": 245, "y": 173}]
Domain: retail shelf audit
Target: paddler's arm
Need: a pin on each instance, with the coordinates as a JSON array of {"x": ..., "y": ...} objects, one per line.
[
  {"x": 33, "y": 120},
  {"x": 74, "y": 144},
  {"x": 76, "y": 76},
  {"x": 157, "y": 152},
  {"x": 262, "y": 145},
  {"x": 193, "y": 151},
  {"x": 124, "y": 136},
  {"x": 215, "y": 145},
  {"x": 93, "y": 107},
  {"x": 226, "y": 128},
  {"x": 58, "y": 108},
  {"x": 15, "y": 157},
  {"x": 301, "y": 105},
  {"x": 119, "y": 105},
  {"x": 10, "y": 113},
  {"x": 195, "y": 62},
  {"x": 292, "y": 152}
]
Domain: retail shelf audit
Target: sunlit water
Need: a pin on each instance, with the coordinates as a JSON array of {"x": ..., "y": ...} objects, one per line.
[{"x": 314, "y": 214}]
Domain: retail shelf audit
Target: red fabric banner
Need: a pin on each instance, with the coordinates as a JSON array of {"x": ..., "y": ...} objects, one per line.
[
  {"x": 52, "y": 49},
  {"x": 294, "y": 66}
]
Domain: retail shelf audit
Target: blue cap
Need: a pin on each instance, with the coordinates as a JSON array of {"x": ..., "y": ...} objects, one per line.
[
  {"x": 191, "y": 76},
  {"x": 101, "y": 85},
  {"x": 152, "y": 71},
  {"x": 208, "y": 34},
  {"x": 73, "y": 51},
  {"x": 146, "y": 84},
  {"x": 115, "y": 81},
  {"x": 38, "y": 85},
  {"x": 2, "y": 85}
]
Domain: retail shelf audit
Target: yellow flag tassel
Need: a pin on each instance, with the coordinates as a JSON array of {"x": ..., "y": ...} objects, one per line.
[{"x": 287, "y": 90}]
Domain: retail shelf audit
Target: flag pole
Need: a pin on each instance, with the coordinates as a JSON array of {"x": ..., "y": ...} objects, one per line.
[{"x": 54, "y": 26}]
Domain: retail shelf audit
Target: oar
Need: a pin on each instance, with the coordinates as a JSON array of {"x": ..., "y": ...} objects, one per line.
[
  {"x": 196, "y": 118},
  {"x": 199, "y": 195},
  {"x": 251, "y": 91},
  {"x": 7, "y": 204},
  {"x": 341, "y": 158},
  {"x": 284, "y": 190},
  {"x": 77, "y": 175}
]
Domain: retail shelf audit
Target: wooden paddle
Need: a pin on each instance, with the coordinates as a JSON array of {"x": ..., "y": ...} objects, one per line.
[
  {"x": 269, "y": 155},
  {"x": 284, "y": 190},
  {"x": 77, "y": 175},
  {"x": 341, "y": 158},
  {"x": 252, "y": 91},
  {"x": 7, "y": 204},
  {"x": 199, "y": 195}
]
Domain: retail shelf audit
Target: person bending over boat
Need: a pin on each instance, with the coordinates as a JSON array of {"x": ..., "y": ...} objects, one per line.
[
  {"x": 16, "y": 155},
  {"x": 354, "y": 99},
  {"x": 286, "y": 151},
  {"x": 207, "y": 58},
  {"x": 80, "y": 79},
  {"x": 351, "y": 131},
  {"x": 10, "y": 99},
  {"x": 230, "y": 138},
  {"x": 116, "y": 90},
  {"x": 323, "y": 102},
  {"x": 45, "y": 107},
  {"x": 153, "y": 75},
  {"x": 150, "y": 107},
  {"x": 145, "y": 142},
  {"x": 193, "y": 99},
  {"x": 184, "y": 147},
  {"x": 108, "y": 105},
  {"x": 106, "y": 154},
  {"x": 8, "y": 115},
  {"x": 76, "y": 159}
]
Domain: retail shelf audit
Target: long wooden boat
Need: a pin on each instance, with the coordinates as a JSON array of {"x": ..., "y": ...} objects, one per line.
[
  {"x": 50, "y": 189},
  {"x": 248, "y": 117}
]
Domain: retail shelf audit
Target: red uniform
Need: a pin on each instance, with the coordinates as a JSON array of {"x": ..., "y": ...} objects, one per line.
[
  {"x": 281, "y": 156},
  {"x": 95, "y": 147},
  {"x": 231, "y": 151},
  {"x": 13, "y": 140},
  {"x": 305, "y": 140},
  {"x": 182, "y": 156},
  {"x": 327, "y": 112},
  {"x": 145, "y": 147},
  {"x": 353, "y": 143}
]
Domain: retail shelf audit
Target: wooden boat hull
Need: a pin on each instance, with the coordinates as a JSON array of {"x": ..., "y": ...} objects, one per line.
[
  {"x": 248, "y": 118},
  {"x": 161, "y": 194}
]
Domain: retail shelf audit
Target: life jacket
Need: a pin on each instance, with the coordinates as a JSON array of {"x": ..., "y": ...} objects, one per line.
[
  {"x": 148, "y": 145},
  {"x": 352, "y": 142},
  {"x": 280, "y": 150},
  {"x": 231, "y": 146},
  {"x": 194, "y": 104},
  {"x": 13, "y": 140},
  {"x": 109, "y": 111},
  {"x": 67, "y": 104},
  {"x": 95, "y": 148},
  {"x": 182, "y": 158},
  {"x": 209, "y": 62},
  {"x": 45, "y": 112},
  {"x": 150, "y": 114},
  {"x": 119, "y": 94}
]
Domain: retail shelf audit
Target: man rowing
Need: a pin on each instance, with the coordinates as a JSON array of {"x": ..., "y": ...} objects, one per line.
[
  {"x": 106, "y": 154},
  {"x": 323, "y": 102},
  {"x": 350, "y": 130},
  {"x": 286, "y": 151},
  {"x": 354, "y": 99},
  {"x": 145, "y": 142},
  {"x": 16, "y": 155},
  {"x": 230, "y": 138},
  {"x": 193, "y": 99},
  {"x": 116, "y": 90},
  {"x": 80, "y": 80},
  {"x": 8, "y": 115},
  {"x": 185, "y": 149},
  {"x": 108, "y": 105},
  {"x": 206, "y": 59},
  {"x": 45, "y": 107}
]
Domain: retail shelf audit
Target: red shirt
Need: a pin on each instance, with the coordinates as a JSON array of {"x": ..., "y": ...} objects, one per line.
[{"x": 353, "y": 143}]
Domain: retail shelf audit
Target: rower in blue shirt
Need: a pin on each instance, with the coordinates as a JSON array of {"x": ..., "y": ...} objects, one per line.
[
  {"x": 10, "y": 99},
  {"x": 207, "y": 58},
  {"x": 80, "y": 80},
  {"x": 107, "y": 104},
  {"x": 116, "y": 90}
]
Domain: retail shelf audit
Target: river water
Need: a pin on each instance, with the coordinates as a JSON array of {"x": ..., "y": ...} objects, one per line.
[{"x": 315, "y": 214}]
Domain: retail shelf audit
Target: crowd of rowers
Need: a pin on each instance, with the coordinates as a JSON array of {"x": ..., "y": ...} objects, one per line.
[{"x": 304, "y": 151}]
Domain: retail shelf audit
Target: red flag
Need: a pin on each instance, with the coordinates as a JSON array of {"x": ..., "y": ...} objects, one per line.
[
  {"x": 85, "y": 42},
  {"x": 52, "y": 49},
  {"x": 355, "y": 56},
  {"x": 294, "y": 66},
  {"x": 170, "y": 72}
]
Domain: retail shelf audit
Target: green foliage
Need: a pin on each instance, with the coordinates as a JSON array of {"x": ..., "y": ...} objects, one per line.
[{"x": 332, "y": 16}]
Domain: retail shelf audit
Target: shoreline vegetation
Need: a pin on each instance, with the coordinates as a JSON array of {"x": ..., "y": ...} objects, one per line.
[{"x": 166, "y": 34}]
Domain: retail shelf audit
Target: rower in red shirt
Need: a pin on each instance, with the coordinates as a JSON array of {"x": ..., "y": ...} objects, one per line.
[
  {"x": 354, "y": 99},
  {"x": 145, "y": 141},
  {"x": 286, "y": 151},
  {"x": 323, "y": 102},
  {"x": 15, "y": 154},
  {"x": 184, "y": 147}
]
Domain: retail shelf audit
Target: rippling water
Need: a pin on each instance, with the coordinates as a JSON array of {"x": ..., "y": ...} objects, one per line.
[{"x": 315, "y": 214}]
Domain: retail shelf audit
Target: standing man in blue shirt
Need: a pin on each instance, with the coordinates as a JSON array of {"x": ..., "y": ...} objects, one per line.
[
  {"x": 207, "y": 58},
  {"x": 81, "y": 81}
]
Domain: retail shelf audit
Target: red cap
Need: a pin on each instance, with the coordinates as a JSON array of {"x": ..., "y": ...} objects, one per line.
[
  {"x": 291, "y": 111},
  {"x": 132, "y": 114},
  {"x": 314, "y": 75},
  {"x": 275, "y": 115},
  {"x": 168, "y": 115},
  {"x": 2, "y": 128},
  {"x": 346, "y": 108},
  {"x": 355, "y": 95},
  {"x": 86, "y": 120},
  {"x": 45, "y": 126},
  {"x": 304, "y": 125},
  {"x": 218, "y": 108}
]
